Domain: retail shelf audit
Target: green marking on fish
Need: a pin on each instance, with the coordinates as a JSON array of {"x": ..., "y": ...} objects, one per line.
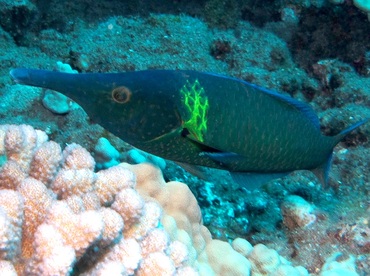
[{"x": 196, "y": 104}]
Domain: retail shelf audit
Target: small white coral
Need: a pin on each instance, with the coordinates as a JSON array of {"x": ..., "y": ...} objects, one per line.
[
  {"x": 91, "y": 201},
  {"x": 113, "y": 226},
  {"x": 137, "y": 156},
  {"x": 11, "y": 175},
  {"x": 242, "y": 246},
  {"x": 288, "y": 270},
  {"x": 73, "y": 182},
  {"x": 333, "y": 266},
  {"x": 110, "y": 181},
  {"x": 224, "y": 260},
  {"x": 109, "y": 268},
  {"x": 297, "y": 212},
  {"x": 363, "y": 5},
  {"x": 78, "y": 230},
  {"x": 75, "y": 203},
  {"x": 187, "y": 271},
  {"x": 77, "y": 157},
  {"x": 149, "y": 220},
  {"x": 3, "y": 130},
  {"x": 264, "y": 260},
  {"x": 178, "y": 253},
  {"x": 84, "y": 202},
  {"x": 157, "y": 240},
  {"x": 6, "y": 236},
  {"x": 156, "y": 263},
  {"x": 11, "y": 207},
  {"x": 37, "y": 200},
  {"x": 20, "y": 141},
  {"x": 130, "y": 205},
  {"x": 45, "y": 162},
  {"x": 127, "y": 252},
  {"x": 7, "y": 268},
  {"x": 52, "y": 256},
  {"x": 106, "y": 155}
]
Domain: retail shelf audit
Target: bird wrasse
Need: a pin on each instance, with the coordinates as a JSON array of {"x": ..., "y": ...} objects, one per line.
[{"x": 200, "y": 119}]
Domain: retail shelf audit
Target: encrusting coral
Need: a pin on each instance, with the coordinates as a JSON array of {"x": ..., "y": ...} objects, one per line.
[{"x": 59, "y": 217}]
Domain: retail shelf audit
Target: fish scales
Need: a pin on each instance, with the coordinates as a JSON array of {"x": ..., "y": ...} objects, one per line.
[{"x": 267, "y": 117}]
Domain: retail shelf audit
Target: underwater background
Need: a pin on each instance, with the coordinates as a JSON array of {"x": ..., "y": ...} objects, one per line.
[{"x": 317, "y": 51}]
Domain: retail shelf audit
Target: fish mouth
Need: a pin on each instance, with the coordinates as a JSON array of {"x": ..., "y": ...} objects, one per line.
[{"x": 20, "y": 75}]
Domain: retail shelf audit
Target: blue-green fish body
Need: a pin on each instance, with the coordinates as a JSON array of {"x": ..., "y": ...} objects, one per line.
[{"x": 198, "y": 118}]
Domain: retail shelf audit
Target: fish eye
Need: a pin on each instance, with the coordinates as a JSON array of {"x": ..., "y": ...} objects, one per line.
[{"x": 121, "y": 94}]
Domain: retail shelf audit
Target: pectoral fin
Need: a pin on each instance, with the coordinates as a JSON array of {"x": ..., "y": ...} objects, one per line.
[{"x": 225, "y": 158}]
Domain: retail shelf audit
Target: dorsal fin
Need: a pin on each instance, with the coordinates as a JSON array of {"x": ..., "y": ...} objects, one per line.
[{"x": 303, "y": 107}]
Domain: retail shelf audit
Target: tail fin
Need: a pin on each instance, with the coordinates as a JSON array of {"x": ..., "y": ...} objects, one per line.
[
  {"x": 348, "y": 130},
  {"x": 322, "y": 172}
]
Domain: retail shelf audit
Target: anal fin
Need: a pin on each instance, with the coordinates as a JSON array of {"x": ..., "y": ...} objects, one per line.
[
  {"x": 322, "y": 171},
  {"x": 252, "y": 181}
]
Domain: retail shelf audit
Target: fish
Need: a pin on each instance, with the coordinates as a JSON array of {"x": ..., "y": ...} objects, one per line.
[{"x": 201, "y": 119}]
